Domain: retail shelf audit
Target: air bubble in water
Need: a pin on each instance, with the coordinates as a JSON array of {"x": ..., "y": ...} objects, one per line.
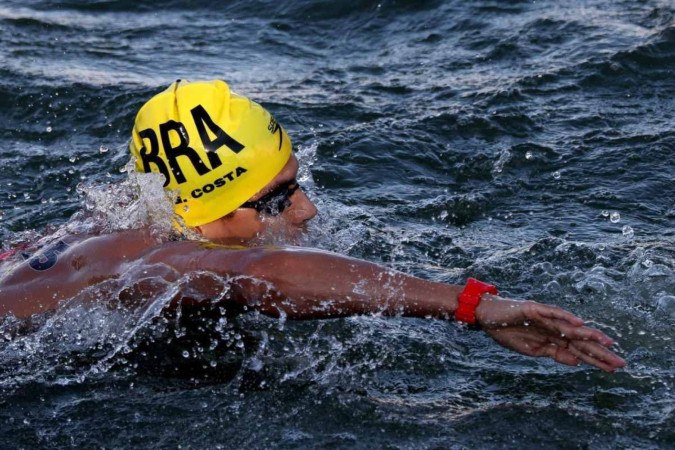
[
  {"x": 103, "y": 149},
  {"x": 627, "y": 231},
  {"x": 556, "y": 175},
  {"x": 186, "y": 354},
  {"x": 49, "y": 129},
  {"x": 615, "y": 217},
  {"x": 604, "y": 213},
  {"x": 528, "y": 155}
]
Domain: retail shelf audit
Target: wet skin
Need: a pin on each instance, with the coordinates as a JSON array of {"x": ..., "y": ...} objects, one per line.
[
  {"x": 307, "y": 284},
  {"x": 245, "y": 224}
]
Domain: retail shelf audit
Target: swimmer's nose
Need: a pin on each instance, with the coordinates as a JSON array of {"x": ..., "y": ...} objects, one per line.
[{"x": 302, "y": 209}]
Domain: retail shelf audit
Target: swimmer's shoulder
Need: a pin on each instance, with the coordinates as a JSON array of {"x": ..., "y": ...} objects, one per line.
[
  {"x": 128, "y": 241},
  {"x": 113, "y": 248},
  {"x": 75, "y": 253}
]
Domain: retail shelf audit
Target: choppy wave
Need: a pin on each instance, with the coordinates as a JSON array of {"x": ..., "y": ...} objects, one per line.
[{"x": 529, "y": 144}]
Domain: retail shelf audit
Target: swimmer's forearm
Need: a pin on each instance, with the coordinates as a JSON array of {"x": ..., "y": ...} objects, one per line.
[{"x": 314, "y": 285}]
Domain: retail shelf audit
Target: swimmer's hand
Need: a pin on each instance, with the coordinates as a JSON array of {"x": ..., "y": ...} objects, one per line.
[{"x": 534, "y": 329}]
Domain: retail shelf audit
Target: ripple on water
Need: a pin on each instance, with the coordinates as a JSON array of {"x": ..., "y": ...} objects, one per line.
[{"x": 433, "y": 131}]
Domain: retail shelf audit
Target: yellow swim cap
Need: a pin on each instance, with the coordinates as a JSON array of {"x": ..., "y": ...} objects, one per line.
[{"x": 216, "y": 148}]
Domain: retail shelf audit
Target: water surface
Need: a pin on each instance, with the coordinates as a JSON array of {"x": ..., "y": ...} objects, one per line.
[{"x": 530, "y": 144}]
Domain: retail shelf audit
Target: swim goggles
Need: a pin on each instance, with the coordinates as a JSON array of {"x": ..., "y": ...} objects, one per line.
[{"x": 276, "y": 201}]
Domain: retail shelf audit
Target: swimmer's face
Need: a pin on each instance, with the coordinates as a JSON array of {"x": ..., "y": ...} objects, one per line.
[{"x": 247, "y": 223}]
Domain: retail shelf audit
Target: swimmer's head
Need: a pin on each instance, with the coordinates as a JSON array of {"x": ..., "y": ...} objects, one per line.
[{"x": 215, "y": 148}]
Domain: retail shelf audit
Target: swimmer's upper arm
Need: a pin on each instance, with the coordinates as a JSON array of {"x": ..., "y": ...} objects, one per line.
[{"x": 189, "y": 256}]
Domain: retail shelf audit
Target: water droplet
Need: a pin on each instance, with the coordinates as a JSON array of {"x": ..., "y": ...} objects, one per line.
[
  {"x": 186, "y": 208},
  {"x": 627, "y": 231},
  {"x": 186, "y": 354},
  {"x": 604, "y": 213},
  {"x": 615, "y": 217},
  {"x": 556, "y": 175},
  {"x": 103, "y": 149},
  {"x": 49, "y": 129},
  {"x": 528, "y": 155}
]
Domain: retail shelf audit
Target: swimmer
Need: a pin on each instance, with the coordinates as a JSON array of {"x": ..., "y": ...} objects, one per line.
[{"x": 232, "y": 171}]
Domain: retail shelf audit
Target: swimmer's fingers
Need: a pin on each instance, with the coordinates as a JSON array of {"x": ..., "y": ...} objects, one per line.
[
  {"x": 560, "y": 353},
  {"x": 596, "y": 355},
  {"x": 562, "y": 329},
  {"x": 531, "y": 342},
  {"x": 568, "y": 348},
  {"x": 573, "y": 352}
]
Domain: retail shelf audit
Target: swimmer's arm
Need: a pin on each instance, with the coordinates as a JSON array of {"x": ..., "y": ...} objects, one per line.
[{"x": 311, "y": 284}]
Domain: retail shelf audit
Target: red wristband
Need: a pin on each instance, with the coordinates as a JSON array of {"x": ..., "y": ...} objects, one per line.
[{"x": 469, "y": 298}]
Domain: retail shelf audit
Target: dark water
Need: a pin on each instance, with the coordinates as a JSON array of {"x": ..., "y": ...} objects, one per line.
[{"x": 526, "y": 143}]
